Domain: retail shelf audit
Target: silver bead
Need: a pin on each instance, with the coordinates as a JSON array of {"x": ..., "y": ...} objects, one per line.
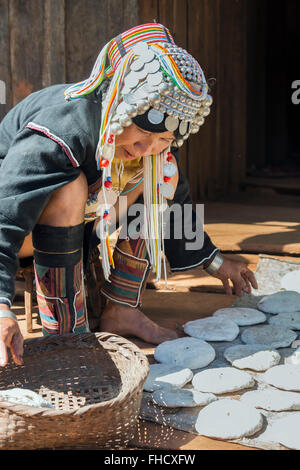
[
  {"x": 164, "y": 89},
  {"x": 194, "y": 129},
  {"x": 154, "y": 98},
  {"x": 205, "y": 111},
  {"x": 180, "y": 142},
  {"x": 125, "y": 121},
  {"x": 116, "y": 128},
  {"x": 199, "y": 120},
  {"x": 208, "y": 100},
  {"x": 132, "y": 112}
]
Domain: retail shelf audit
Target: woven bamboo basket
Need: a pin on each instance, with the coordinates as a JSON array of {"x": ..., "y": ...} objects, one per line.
[{"x": 95, "y": 382}]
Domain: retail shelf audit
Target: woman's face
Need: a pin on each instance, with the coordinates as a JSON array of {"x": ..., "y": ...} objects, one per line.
[{"x": 135, "y": 142}]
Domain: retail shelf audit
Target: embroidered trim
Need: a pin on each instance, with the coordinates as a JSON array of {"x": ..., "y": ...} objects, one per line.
[
  {"x": 140, "y": 285},
  {"x": 58, "y": 140},
  {"x": 194, "y": 265}
]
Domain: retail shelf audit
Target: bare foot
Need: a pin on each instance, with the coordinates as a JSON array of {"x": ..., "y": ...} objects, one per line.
[{"x": 130, "y": 321}]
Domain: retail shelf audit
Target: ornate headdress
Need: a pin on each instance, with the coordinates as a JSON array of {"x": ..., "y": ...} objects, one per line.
[{"x": 149, "y": 77}]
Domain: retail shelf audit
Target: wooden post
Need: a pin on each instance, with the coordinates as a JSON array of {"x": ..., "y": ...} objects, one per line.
[{"x": 28, "y": 292}]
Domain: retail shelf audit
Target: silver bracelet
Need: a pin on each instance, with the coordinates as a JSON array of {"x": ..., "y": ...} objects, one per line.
[
  {"x": 8, "y": 314},
  {"x": 215, "y": 264}
]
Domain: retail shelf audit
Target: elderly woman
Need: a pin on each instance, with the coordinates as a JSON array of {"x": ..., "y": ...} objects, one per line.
[{"x": 70, "y": 155}]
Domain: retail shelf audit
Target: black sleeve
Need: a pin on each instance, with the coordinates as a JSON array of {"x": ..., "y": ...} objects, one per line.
[{"x": 33, "y": 168}]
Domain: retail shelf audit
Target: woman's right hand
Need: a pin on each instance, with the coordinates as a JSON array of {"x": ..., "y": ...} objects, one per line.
[{"x": 10, "y": 337}]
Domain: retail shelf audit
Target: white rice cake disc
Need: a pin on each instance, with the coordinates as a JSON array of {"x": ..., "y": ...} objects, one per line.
[
  {"x": 272, "y": 399},
  {"x": 285, "y": 430},
  {"x": 166, "y": 376},
  {"x": 242, "y": 316},
  {"x": 228, "y": 419},
  {"x": 212, "y": 329},
  {"x": 280, "y": 302},
  {"x": 294, "y": 358},
  {"x": 287, "y": 320},
  {"x": 182, "y": 398},
  {"x": 222, "y": 380},
  {"x": 291, "y": 281},
  {"x": 284, "y": 376},
  {"x": 192, "y": 353},
  {"x": 271, "y": 335},
  {"x": 257, "y": 357}
]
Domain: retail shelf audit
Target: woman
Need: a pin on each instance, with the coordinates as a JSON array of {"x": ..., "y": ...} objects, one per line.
[{"x": 116, "y": 133}]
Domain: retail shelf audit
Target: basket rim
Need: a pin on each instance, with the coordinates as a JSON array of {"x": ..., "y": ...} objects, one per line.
[{"x": 120, "y": 398}]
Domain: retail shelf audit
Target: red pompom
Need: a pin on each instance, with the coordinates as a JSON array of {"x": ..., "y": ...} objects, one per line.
[
  {"x": 108, "y": 184},
  {"x": 166, "y": 179},
  {"x": 105, "y": 163}
]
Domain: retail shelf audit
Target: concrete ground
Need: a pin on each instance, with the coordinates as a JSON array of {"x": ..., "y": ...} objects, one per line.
[{"x": 242, "y": 227}]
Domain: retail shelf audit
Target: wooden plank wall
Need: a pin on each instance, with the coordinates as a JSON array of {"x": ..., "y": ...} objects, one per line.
[
  {"x": 215, "y": 33},
  {"x": 43, "y": 42}
]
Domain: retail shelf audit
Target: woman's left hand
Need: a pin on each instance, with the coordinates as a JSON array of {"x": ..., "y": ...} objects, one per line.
[{"x": 239, "y": 274}]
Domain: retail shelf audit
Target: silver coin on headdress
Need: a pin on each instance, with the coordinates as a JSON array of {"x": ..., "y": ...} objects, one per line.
[
  {"x": 152, "y": 67},
  {"x": 166, "y": 189},
  {"x": 142, "y": 74},
  {"x": 155, "y": 116},
  {"x": 140, "y": 48},
  {"x": 148, "y": 56},
  {"x": 136, "y": 65},
  {"x": 131, "y": 80},
  {"x": 183, "y": 127},
  {"x": 155, "y": 79},
  {"x": 171, "y": 123}
]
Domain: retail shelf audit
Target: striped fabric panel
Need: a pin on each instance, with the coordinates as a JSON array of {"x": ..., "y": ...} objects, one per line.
[
  {"x": 59, "y": 315},
  {"x": 127, "y": 279}
]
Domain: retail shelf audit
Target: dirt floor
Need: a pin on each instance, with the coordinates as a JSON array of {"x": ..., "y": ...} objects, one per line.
[{"x": 242, "y": 227}]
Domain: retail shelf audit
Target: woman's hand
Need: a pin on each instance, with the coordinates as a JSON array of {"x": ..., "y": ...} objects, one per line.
[
  {"x": 10, "y": 337},
  {"x": 239, "y": 274}
]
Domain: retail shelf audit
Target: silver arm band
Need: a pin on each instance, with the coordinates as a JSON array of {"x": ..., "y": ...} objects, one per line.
[
  {"x": 215, "y": 264},
  {"x": 8, "y": 314}
]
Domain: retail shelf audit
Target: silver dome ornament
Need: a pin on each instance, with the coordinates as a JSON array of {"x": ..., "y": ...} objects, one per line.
[
  {"x": 125, "y": 121},
  {"x": 194, "y": 129},
  {"x": 169, "y": 169},
  {"x": 166, "y": 189},
  {"x": 164, "y": 89},
  {"x": 208, "y": 100},
  {"x": 142, "y": 106},
  {"x": 199, "y": 120},
  {"x": 154, "y": 98},
  {"x": 116, "y": 128},
  {"x": 180, "y": 142},
  {"x": 132, "y": 112},
  {"x": 206, "y": 111}
]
